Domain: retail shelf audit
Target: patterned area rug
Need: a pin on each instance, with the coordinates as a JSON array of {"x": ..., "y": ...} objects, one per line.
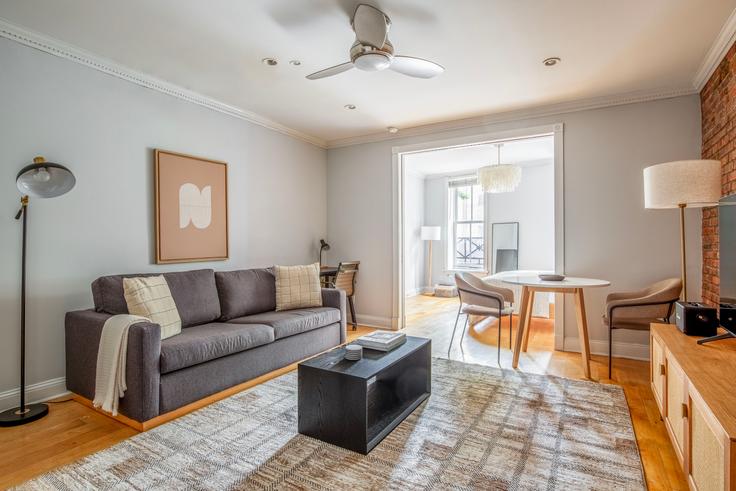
[{"x": 482, "y": 428}]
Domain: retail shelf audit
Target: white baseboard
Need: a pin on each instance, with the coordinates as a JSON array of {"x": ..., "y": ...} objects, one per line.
[
  {"x": 373, "y": 321},
  {"x": 42, "y": 391},
  {"x": 633, "y": 351}
]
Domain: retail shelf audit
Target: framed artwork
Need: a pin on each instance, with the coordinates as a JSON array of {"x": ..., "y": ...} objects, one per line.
[{"x": 191, "y": 208}]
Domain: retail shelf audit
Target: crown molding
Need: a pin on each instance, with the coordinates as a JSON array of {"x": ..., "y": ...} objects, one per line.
[
  {"x": 58, "y": 48},
  {"x": 24, "y": 36},
  {"x": 717, "y": 52},
  {"x": 516, "y": 115}
]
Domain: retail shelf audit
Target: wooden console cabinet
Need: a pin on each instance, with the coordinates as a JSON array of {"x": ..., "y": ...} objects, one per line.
[{"x": 695, "y": 389}]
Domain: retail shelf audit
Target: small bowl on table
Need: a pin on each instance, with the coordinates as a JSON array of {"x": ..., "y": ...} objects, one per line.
[{"x": 551, "y": 277}]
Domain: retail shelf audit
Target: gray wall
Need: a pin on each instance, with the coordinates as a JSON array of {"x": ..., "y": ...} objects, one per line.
[
  {"x": 105, "y": 129},
  {"x": 608, "y": 233},
  {"x": 415, "y": 278},
  {"x": 532, "y": 204}
]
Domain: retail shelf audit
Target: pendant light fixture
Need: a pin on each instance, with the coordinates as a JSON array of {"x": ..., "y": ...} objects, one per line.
[{"x": 499, "y": 178}]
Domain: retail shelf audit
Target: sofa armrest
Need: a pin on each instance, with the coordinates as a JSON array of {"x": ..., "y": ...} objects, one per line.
[
  {"x": 83, "y": 332},
  {"x": 332, "y": 297}
]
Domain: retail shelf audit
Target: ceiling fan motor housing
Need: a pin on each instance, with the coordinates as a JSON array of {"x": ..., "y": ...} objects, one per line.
[{"x": 371, "y": 59}]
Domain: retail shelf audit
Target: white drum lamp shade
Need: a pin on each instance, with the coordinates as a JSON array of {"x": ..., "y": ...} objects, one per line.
[
  {"x": 693, "y": 183},
  {"x": 431, "y": 233},
  {"x": 682, "y": 184},
  {"x": 502, "y": 178}
]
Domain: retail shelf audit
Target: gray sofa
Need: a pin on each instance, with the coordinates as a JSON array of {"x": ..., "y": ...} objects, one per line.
[{"x": 231, "y": 333}]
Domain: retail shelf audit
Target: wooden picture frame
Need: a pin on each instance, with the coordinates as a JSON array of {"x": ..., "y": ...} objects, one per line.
[{"x": 191, "y": 208}]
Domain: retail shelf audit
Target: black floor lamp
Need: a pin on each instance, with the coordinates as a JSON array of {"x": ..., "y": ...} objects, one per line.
[{"x": 40, "y": 179}]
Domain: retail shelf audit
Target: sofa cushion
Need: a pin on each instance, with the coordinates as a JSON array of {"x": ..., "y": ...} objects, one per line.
[
  {"x": 297, "y": 287},
  {"x": 246, "y": 292},
  {"x": 194, "y": 293},
  {"x": 207, "y": 342},
  {"x": 287, "y": 323},
  {"x": 150, "y": 297}
]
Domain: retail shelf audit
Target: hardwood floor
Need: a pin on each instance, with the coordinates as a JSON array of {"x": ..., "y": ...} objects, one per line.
[
  {"x": 71, "y": 430},
  {"x": 434, "y": 317}
]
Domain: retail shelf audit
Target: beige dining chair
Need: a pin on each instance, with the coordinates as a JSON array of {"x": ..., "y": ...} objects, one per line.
[
  {"x": 636, "y": 310},
  {"x": 481, "y": 299},
  {"x": 345, "y": 280}
]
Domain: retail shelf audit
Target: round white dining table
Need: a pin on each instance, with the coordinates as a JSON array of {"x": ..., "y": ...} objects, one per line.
[{"x": 530, "y": 285}]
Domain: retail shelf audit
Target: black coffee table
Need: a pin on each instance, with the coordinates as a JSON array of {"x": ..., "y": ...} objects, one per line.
[{"x": 355, "y": 404}]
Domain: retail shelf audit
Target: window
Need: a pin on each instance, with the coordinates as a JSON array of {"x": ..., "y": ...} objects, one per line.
[{"x": 467, "y": 227}]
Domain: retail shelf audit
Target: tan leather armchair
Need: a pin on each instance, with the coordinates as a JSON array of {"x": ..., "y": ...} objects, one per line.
[
  {"x": 638, "y": 309},
  {"x": 479, "y": 298}
]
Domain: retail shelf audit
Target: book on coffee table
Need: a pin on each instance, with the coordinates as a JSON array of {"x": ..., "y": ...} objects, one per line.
[{"x": 382, "y": 341}]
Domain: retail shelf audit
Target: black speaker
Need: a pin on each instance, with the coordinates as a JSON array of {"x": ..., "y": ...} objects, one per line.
[
  {"x": 728, "y": 316},
  {"x": 696, "y": 319}
]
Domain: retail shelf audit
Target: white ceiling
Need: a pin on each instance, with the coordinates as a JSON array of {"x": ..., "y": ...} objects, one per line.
[
  {"x": 524, "y": 152},
  {"x": 492, "y": 51}
]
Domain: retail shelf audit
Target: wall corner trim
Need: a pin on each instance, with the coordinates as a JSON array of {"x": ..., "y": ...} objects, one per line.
[
  {"x": 42, "y": 391},
  {"x": 717, "y": 52},
  {"x": 633, "y": 351},
  {"x": 52, "y": 46},
  {"x": 517, "y": 115}
]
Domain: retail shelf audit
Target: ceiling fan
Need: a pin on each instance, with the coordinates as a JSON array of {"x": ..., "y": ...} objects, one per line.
[{"x": 373, "y": 52}]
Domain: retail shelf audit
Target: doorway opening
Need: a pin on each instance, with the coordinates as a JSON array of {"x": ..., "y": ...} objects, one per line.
[{"x": 448, "y": 223}]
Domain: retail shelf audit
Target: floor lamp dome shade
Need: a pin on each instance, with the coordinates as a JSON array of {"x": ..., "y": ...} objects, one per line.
[
  {"x": 682, "y": 184},
  {"x": 693, "y": 183},
  {"x": 40, "y": 179},
  {"x": 43, "y": 179}
]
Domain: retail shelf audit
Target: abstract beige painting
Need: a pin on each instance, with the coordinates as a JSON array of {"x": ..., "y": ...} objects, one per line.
[{"x": 191, "y": 208}]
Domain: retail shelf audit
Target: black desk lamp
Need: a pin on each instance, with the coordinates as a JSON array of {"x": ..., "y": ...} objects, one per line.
[
  {"x": 323, "y": 246},
  {"x": 40, "y": 179}
]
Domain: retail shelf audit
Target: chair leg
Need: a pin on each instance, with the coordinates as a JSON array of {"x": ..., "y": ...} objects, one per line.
[
  {"x": 452, "y": 338},
  {"x": 465, "y": 327},
  {"x": 610, "y": 351},
  {"x": 498, "y": 346},
  {"x": 352, "y": 312},
  {"x": 511, "y": 322}
]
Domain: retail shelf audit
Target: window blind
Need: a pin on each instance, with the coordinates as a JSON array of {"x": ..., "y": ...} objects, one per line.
[{"x": 463, "y": 181}]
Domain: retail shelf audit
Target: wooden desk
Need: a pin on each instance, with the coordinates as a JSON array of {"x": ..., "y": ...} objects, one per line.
[
  {"x": 574, "y": 286},
  {"x": 327, "y": 271},
  {"x": 327, "y": 274},
  {"x": 694, "y": 390}
]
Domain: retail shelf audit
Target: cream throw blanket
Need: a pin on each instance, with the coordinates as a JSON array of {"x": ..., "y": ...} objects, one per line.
[{"x": 110, "y": 377}]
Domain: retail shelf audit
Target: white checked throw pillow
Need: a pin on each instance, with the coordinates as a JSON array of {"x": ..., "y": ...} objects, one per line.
[{"x": 297, "y": 287}]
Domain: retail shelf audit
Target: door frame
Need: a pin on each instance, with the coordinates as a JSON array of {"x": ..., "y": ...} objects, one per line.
[{"x": 398, "y": 319}]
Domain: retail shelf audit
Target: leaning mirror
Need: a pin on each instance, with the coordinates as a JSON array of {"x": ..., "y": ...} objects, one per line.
[{"x": 505, "y": 241}]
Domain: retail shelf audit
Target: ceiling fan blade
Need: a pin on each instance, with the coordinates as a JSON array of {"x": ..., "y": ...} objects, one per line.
[
  {"x": 416, "y": 67},
  {"x": 333, "y": 70},
  {"x": 370, "y": 25}
]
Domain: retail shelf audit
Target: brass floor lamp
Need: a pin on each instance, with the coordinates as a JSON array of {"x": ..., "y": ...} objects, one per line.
[
  {"x": 682, "y": 184},
  {"x": 40, "y": 179}
]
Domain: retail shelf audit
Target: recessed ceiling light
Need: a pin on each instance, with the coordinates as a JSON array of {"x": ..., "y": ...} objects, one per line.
[
  {"x": 270, "y": 61},
  {"x": 350, "y": 106},
  {"x": 552, "y": 61},
  {"x": 295, "y": 62},
  {"x": 392, "y": 129}
]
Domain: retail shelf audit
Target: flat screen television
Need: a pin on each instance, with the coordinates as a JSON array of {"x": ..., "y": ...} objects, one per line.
[{"x": 727, "y": 248}]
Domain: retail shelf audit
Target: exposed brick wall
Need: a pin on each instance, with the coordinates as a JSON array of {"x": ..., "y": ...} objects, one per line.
[{"x": 718, "y": 113}]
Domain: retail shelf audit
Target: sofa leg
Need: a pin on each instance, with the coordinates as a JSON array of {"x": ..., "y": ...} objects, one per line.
[{"x": 352, "y": 312}]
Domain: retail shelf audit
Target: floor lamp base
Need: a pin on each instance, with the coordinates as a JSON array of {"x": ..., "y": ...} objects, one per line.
[{"x": 16, "y": 417}]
